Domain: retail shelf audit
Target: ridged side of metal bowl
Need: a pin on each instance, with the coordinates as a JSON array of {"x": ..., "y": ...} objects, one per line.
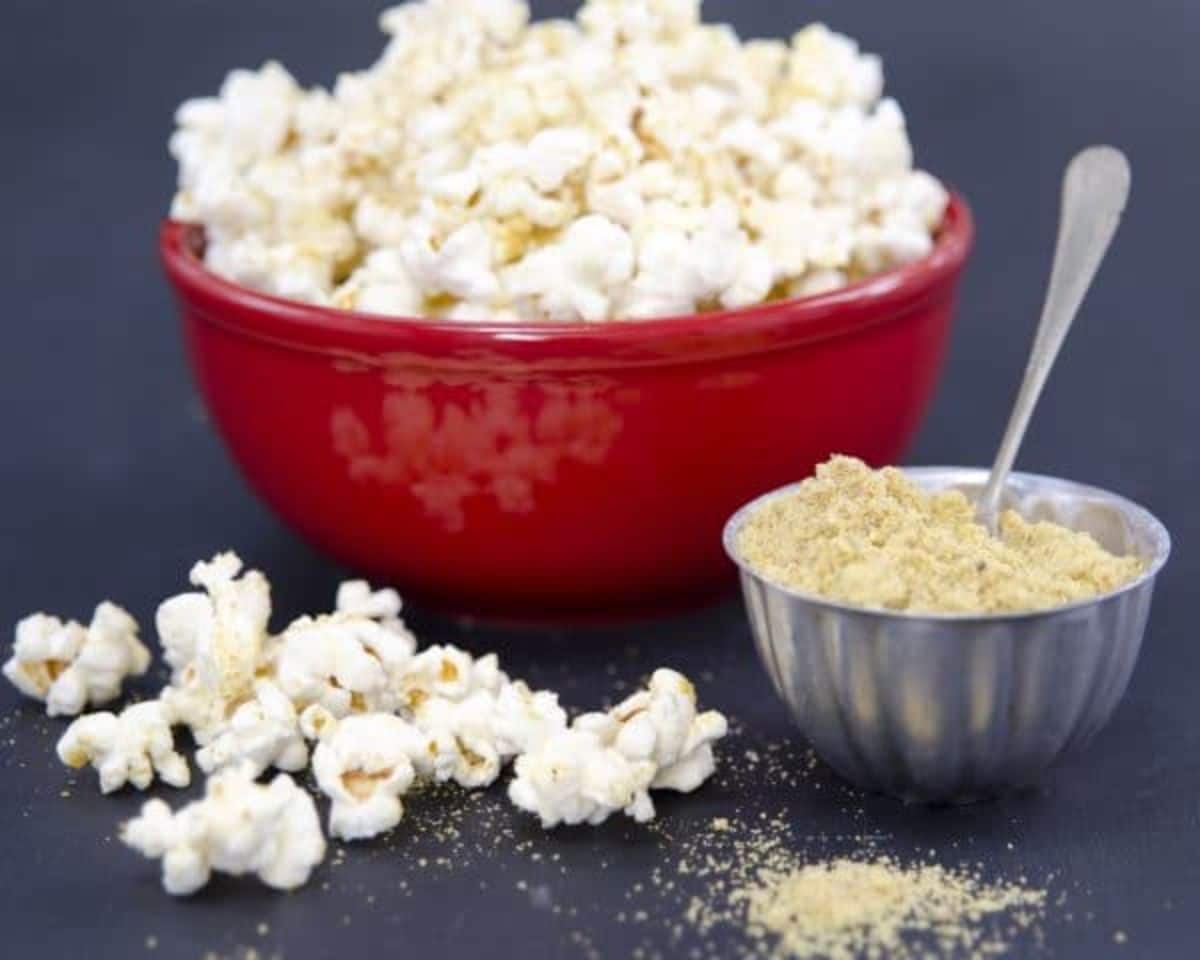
[{"x": 948, "y": 708}]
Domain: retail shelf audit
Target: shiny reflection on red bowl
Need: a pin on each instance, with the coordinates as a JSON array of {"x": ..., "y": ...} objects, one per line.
[{"x": 540, "y": 471}]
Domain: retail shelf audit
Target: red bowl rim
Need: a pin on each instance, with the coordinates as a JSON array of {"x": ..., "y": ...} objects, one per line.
[{"x": 371, "y": 338}]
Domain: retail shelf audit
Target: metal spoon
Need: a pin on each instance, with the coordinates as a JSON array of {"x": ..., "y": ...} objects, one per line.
[{"x": 1095, "y": 188}]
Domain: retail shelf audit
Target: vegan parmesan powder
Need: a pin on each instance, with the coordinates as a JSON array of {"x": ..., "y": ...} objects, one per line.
[
  {"x": 794, "y": 895},
  {"x": 847, "y": 908},
  {"x": 873, "y": 538}
]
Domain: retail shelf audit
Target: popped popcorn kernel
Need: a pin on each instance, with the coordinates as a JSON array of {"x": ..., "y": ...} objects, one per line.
[
  {"x": 364, "y": 764},
  {"x": 608, "y": 762},
  {"x": 131, "y": 747},
  {"x": 215, "y": 643},
  {"x": 238, "y": 827},
  {"x": 71, "y": 667},
  {"x": 262, "y": 733}
]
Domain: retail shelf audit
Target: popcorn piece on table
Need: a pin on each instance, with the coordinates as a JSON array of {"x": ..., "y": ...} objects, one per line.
[
  {"x": 364, "y": 764},
  {"x": 461, "y": 737},
  {"x": 524, "y": 719},
  {"x": 661, "y": 724},
  {"x": 463, "y": 716},
  {"x": 263, "y": 732},
  {"x": 356, "y": 598},
  {"x": 609, "y": 761},
  {"x": 346, "y": 662},
  {"x": 317, "y": 722},
  {"x": 71, "y": 667},
  {"x": 238, "y": 827},
  {"x": 444, "y": 670},
  {"x": 215, "y": 642},
  {"x": 474, "y": 716},
  {"x": 574, "y": 777},
  {"x": 130, "y": 747}
]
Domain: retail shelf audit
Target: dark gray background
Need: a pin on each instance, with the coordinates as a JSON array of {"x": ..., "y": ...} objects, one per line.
[{"x": 114, "y": 484}]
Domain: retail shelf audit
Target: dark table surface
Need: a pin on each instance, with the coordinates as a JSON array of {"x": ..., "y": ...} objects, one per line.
[{"x": 114, "y": 484}]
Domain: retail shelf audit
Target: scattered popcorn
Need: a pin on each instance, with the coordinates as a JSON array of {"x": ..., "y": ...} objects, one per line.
[
  {"x": 634, "y": 162},
  {"x": 381, "y": 715},
  {"x": 214, "y": 642},
  {"x": 238, "y": 827},
  {"x": 262, "y": 733},
  {"x": 607, "y": 762},
  {"x": 364, "y": 765},
  {"x": 130, "y": 747},
  {"x": 71, "y": 667}
]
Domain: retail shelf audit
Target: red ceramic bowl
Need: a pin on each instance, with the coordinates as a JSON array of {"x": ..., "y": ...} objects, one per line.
[{"x": 556, "y": 471}]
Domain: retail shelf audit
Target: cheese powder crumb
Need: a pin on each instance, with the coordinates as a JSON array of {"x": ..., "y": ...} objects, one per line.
[
  {"x": 843, "y": 909},
  {"x": 875, "y": 539}
]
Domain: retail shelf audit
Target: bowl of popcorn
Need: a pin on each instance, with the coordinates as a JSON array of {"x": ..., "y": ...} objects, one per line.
[
  {"x": 516, "y": 316},
  {"x": 924, "y": 656}
]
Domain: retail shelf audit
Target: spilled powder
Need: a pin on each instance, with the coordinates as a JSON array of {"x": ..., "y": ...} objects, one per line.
[
  {"x": 758, "y": 883},
  {"x": 770, "y": 894},
  {"x": 874, "y": 538},
  {"x": 847, "y": 908}
]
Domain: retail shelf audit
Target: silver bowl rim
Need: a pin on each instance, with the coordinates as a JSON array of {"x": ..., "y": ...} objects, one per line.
[{"x": 1157, "y": 530}]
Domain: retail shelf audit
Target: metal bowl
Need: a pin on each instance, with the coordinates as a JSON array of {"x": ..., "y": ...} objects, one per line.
[{"x": 954, "y": 708}]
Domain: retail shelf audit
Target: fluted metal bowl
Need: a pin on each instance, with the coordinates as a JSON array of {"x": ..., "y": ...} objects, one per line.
[{"x": 948, "y": 707}]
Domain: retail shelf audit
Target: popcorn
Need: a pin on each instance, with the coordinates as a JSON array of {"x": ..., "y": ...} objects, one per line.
[
  {"x": 525, "y": 719},
  {"x": 447, "y": 672},
  {"x": 706, "y": 259},
  {"x": 347, "y": 663},
  {"x": 127, "y": 748},
  {"x": 238, "y": 827},
  {"x": 487, "y": 168},
  {"x": 70, "y": 667},
  {"x": 317, "y": 721},
  {"x": 575, "y": 778},
  {"x": 462, "y": 742},
  {"x": 660, "y": 724},
  {"x": 381, "y": 285},
  {"x": 380, "y": 713},
  {"x": 828, "y": 67},
  {"x": 607, "y": 762},
  {"x": 364, "y": 765},
  {"x": 262, "y": 733},
  {"x": 215, "y": 643},
  {"x": 356, "y": 598},
  {"x": 460, "y": 266},
  {"x": 579, "y": 276}
]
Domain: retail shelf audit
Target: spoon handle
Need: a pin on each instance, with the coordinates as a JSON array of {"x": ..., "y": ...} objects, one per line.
[{"x": 1095, "y": 189}]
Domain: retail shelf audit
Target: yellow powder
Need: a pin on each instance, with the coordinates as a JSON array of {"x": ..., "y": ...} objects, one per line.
[
  {"x": 783, "y": 892},
  {"x": 873, "y": 538},
  {"x": 843, "y": 909}
]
